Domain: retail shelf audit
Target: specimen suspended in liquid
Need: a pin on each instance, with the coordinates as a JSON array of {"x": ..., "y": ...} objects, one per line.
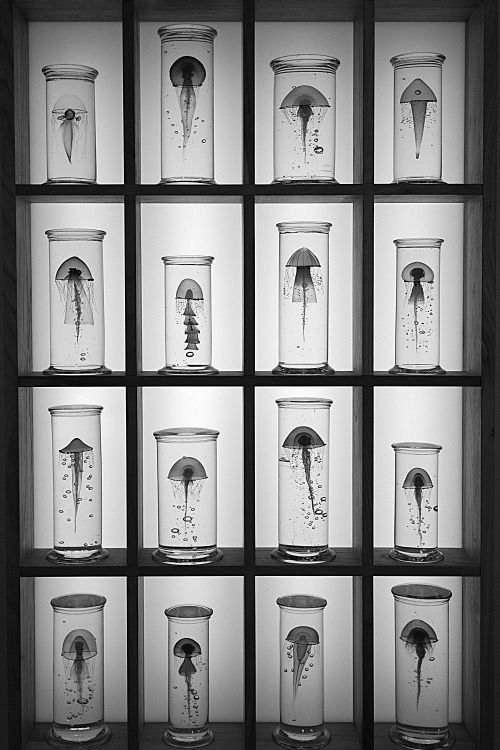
[
  {"x": 186, "y": 477},
  {"x": 187, "y": 74},
  {"x": 303, "y": 639},
  {"x": 76, "y": 288},
  {"x": 307, "y": 105},
  {"x": 78, "y": 452},
  {"x": 416, "y": 483},
  {"x": 189, "y": 303},
  {"x": 419, "y": 638},
  {"x": 79, "y": 649},
  {"x": 418, "y": 94},
  {"x": 302, "y": 260},
  {"x": 304, "y": 449},
  {"x": 69, "y": 116},
  {"x": 415, "y": 275},
  {"x": 187, "y": 649}
]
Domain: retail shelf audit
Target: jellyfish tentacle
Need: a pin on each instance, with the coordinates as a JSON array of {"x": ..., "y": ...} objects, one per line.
[
  {"x": 419, "y": 637},
  {"x": 187, "y": 649},
  {"x": 187, "y": 73},
  {"x": 303, "y": 638},
  {"x": 305, "y": 113}
]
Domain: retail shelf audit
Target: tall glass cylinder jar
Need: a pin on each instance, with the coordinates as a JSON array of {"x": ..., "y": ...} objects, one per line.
[
  {"x": 77, "y": 480},
  {"x": 188, "y": 314},
  {"x": 417, "y": 305},
  {"x": 416, "y": 503},
  {"x": 188, "y": 660},
  {"x": 303, "y": 468},
  {"x": 187, "y": 495},
  {"x": 78, "y": 685},
  {"x": 303, "y": 297},
  {"x": 76, "y": 301},
  {"x": 421, "y": 618},
  {"x": 70, "y": 118},
  {"x": 304, "y": 118},
  {"x": 301, "y": 672},
  {"x": 187, "y": 102},
  {"x": 417, "y": 116}
]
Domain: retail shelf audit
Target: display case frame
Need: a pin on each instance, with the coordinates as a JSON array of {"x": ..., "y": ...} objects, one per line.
[{"x": 478, "y": 561}]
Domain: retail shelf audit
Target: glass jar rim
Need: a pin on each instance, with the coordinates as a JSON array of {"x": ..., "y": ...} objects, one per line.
[
  {"x": 189, "y": 612},
  {"x": 304, "y": 62},
  {"x": 78, "y": 601},
  {"x": 75, "y": 235},
  {"x": 418, "y": 242},
  {"x": 322, "y": 227},
  {"x": 417, "y": 447},
  {"x": 188, "y": 260},
  {"x": 70, "y": 410},
  {"x": 301, "y": 601},
  {"x": 305, "y": 401},
  {"x": 421, "y": 591},
  {"x": 185, "y": 32},
  {"x": 193, "y": 434},
  {"x": 55, "y": 71},
  {"x": 418, "y": 58}
]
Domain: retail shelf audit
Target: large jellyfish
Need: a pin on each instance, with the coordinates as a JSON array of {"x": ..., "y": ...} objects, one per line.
[
  {"x": 186, "y": 477},
  {"x": 418, "y": 94},
  {"x": 419, "y": 637},
  {"x": 304, "y": 449},
  {"x": 77, "y": 451},
  {"x": 307, "y": 105},
  {"x": 76, "y": 288},
  {"x": 418, "y": 486},
  {"x": 79, "y": 649},
  {"x": 189, "y": 303},
  {"x": 304, "y": 647},
  {"x": 187, "y": 74},
  {"x": 417, "y": 276},
  {"x": 69, "y": 117},
  {"x": 302, "y": 260},
  {"x": 187, "y": 649}
]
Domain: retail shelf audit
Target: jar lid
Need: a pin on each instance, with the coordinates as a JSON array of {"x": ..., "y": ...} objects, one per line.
[
  {"x": 301, "y": 601},
  {"x": 305, "y": 402},
  {"x": 189, "y": 611},
  {"x": 417, "y": 447},
  {"x": 185, "y": 434},
  {"x": 75, "y": 235},
  {"x": 188, "y": 260},
  {"x": 418, "y": 242},
  {"x": 78, "y": 601},
  {"x": 418, "y": 58},
  {"x": 187, "y": 32},
  {"x": 69, "y": 70},
  {"x": 305, "y": 63},
  {"x": 72, "y": 410},
  {"x": 421, "y": 591},
  {"x": 322, "y": 227}
]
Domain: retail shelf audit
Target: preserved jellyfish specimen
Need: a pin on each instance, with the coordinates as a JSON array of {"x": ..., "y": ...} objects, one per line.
[
  {"x": 186, "y": 650},
  {"x": 79, "y": 650},
  {"x": 304, "y": 108},
  {"x": 419, "y": 638},
  {"x": 303, "y": 289},
  {"x": 187, "y": 476},
  {"x": 190, "y": 304},
  {"x": 418, "y": 485},
  {"x": 76, "y": 287},
  {"x": 418, "y": 95},
  {"x": 304, "y": 450},
  {"x": 69, "y": 117},
  {"x": 303, "y": 639},
  {"x": 187, "y": 74},
  {"x": 73, "y": 457},
  {"x": 419, "y": 277}
]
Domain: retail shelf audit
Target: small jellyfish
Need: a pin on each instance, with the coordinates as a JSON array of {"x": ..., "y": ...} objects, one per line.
[
  {"x": 76, "y": 289},
  {"x": 69, "y": 117},
  {"x": 187, "y": 649},
  {"x": 186, "y": 477},
  {"x": 416, "y": 483},
  {"x": 307, "y": 105},
  {"x": 77, "y": 450},
  {"x": 418, "y": 94},
  {"x": 187, "y": 74},
  {"x": 302, "y": 260},
  {"x": 304, "y": 449},
  {"x": 305, "y": 642},
  {"x": 417, "y": 276},
  {"x": 189, "y": 304},
  {"x": 419, "y": 637},
  {"x": 79, "y": 649}
]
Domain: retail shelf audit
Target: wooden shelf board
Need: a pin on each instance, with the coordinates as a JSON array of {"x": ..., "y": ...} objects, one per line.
[
  {"x": 346, "y": 557},
  {"x": 344, "y": 736},
  {"x": 227, "y": 735},
  {"x": 463, "y": 741},
  {"x": 118, "y": 740},
  {"x": 231, "y": 563}
]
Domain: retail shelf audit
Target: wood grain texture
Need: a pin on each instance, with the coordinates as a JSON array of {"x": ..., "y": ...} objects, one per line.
[
  {"x": 26, "y": 479},
  {"x": 472, "y": 285},
  {"x": 471, "y": 661},
  {"x": 311, "y": 10},
  {"x": 425, "y": 10},
  {"x": 76, "y": 10},
  {"x": 357, "y": 285},
  {"x": 21, "y": 106},
  {"x": 474, "y": 70},
  {"x": 24, "y": 287},
  {"x": 357, "y": 654},
  {"x": 27, "y": 614},
  {"x": 357, "y": 470},
  {"x": 197, "y": 11},
  {"x": 471, "y": 472}
]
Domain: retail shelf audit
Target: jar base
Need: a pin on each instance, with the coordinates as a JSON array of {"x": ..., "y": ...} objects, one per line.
[
  {"x": 78, "y": 738},
  {"x": 305, "y": 180},
  {"x": 187, "y": 557},
  {"x": 416, "y": 557},
  {"x": 422, "y": 180},
  {"x": 302, "y": 555},
  {"x": 293, "y": 737},
  {"x": 99, "y": 370},
  {"x": 187, "y": 180},
  {"x": 70, "y": 181},
  {"x": 178, "y": 738},
  {"x": 323, "y": 369},
  {"x": 54, "y": 556},
  {"x": 413, "y": 738},
  {"x": 436, "y": 370},
  {"x": 189, "y": 369}
]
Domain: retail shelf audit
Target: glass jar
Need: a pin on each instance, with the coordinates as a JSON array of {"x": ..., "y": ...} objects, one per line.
[
  {"x": 188, "y": 660},
  {"x": 417, "y": 116},
  {"x": 303, "y": 477},
  {"x": 77, "y": 479},
  {"x": 417, "y": 305},
  {"x": 416, "y": 503},
  {"x": 421, "y": 619},
  {"x": 187, "y": 495},
  {"x": 304, "y": 118},
  {"x": 187, "y": 102},
  {"x": 301, "y": 672},
  {"x": 188, "y": 314},
  {"x": 78, "y": 686},
  {"x": 76, "y": 301},
  {"x": 70, "y": 118},
  {"x": 303, "y": 297}
]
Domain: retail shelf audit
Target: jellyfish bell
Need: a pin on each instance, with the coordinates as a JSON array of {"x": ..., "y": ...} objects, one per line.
[
  {"x": 418, "y": 93},
  {"x": 303, "y": 638},
  {"x": 187, "y": 71},
  {"x": 73, "y": 267},
  {"x": 301, "y": 437},
  {"x": 75, "y": 446},
  {"x": 304, "y": 96},
  {"x": 189, "y": 289},
  {"x": 80, "y": 643},
  {"x": 303, "y": 634},
  {"x": 187, "y": 647},
  {"x": 417, "y": 272},
  {"x": 70, "y": 112},
  {"x": 187, "y": 468},
  {"x": 417, "y": 478},
  {"x": 418, "y": 631}
]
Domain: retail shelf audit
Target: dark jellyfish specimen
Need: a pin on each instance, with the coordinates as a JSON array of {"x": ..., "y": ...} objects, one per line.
[
  {"x": 304, "y": 448},
  {"x": 304, "y": 103},
  {"x": 70, "y": 117},
  {"x": 304, "y": 639},
  {"x": 417, "y": 274},
  {"x": 189, "y": 303},
  {"x": 76, "y": 451},
  {"x": 186, "y": 649},
  {"x": 186, "y": 477},
  {"x": 418, "y": 94},
  {"x": 76, "y": 288},
  {"x": 302, "y": 260},
  {"x": 416, "y": 483},
  {"x": 419, "y": 638},
  {"x": 79, "y": 649},
  {"x": 187, "y": 74}
]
